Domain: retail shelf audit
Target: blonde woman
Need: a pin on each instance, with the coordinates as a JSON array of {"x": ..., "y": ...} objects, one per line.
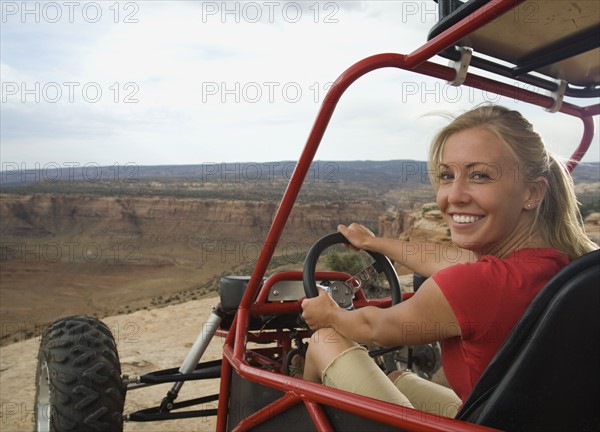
[{"x": 512, "y": 211}]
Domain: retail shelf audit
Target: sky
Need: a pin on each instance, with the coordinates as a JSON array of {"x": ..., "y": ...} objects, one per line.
[{"x": 187, "y": 82}]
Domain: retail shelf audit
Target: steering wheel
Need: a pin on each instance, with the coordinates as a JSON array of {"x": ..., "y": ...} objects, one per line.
[{"x": 343, "y": 291}]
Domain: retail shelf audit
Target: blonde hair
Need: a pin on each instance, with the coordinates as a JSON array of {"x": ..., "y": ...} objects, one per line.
[{"x": 558, "y": 219}]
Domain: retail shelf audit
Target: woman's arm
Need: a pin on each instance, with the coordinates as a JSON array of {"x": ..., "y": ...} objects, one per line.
[
  {"x": 423, "y": 258},
  {"x": 424, "y": 318}
]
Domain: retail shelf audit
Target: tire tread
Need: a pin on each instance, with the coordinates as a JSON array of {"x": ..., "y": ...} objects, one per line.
[{"x": 86, "y": 390}]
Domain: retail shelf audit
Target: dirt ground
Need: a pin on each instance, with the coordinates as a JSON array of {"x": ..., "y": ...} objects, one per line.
[{"x": 147, "y": 340}]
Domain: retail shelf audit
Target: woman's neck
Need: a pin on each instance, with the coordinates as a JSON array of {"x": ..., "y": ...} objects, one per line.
[{"x": 532, "y": 240}]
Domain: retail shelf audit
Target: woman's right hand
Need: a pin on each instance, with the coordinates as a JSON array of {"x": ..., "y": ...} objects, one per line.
[{"x": 358, "y": 235}]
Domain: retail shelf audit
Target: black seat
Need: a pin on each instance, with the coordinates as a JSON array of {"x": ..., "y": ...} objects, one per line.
[{"x": 546, "y": 375}]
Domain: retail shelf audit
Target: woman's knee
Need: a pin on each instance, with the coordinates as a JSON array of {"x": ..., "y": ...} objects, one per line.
[
  {"x": 325, "y": 335},
  {"x": 325, "y": 344},
  {"x": 394, "y": 375}
]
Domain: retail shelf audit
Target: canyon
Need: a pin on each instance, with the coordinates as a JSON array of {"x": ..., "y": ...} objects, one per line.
[
  {"x": 167, "y": 234},
  {"x": 97, "y": 255},
  {"x": 143, "y": 237}
]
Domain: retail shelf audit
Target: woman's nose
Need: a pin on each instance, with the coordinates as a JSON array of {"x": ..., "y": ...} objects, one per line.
[{"x": 458, "y": 192}]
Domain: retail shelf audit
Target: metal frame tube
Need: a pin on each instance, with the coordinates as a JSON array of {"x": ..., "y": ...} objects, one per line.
[{"x": 233, "y": 350}]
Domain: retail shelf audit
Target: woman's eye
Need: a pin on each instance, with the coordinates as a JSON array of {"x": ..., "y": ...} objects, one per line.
[
  {"x": 446, "y": 176},
  {"x": 480, "y": 176}
]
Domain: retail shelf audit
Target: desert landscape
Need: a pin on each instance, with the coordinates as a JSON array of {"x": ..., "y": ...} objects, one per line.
[
  {"x": 146, "y": 256},
  {"x": 110, "y": 247}
]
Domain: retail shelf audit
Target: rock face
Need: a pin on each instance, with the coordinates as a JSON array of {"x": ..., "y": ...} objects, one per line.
[
  {"x": 424, "y": 224},
  {"x": 50, "y": 269},
  {"x": 103, "y": 255},
  {"x": 592, "y": 227},
  {"x": 168, "y": 219}
]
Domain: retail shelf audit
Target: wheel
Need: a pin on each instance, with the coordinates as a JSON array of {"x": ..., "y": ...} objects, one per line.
[
  {"x": 78, "y": 380},
  {"x": 427, "y": 360},
  {"x": 381, "y": 265},
  {"x": 343, "y": 292}
]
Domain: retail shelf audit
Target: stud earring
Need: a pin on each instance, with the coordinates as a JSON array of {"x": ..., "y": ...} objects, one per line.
[{"x": 528, "y": 206}]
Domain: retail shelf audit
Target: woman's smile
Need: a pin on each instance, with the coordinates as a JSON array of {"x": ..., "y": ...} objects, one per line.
[
  {"x": 483, "y": 204},
  {"x": 463, "y": 219}
]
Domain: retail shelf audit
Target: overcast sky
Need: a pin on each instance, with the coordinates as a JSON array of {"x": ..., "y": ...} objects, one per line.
[{"x": 154, "y": 83}]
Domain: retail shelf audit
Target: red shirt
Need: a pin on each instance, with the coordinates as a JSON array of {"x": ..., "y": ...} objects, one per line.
[{"x": 488, "y": 297}]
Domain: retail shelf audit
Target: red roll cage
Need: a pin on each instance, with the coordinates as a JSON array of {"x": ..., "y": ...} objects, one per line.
[{"x": 316, "y": 396}]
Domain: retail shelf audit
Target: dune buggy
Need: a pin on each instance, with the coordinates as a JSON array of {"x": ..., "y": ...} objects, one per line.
[{"x": 544, "y": 377}]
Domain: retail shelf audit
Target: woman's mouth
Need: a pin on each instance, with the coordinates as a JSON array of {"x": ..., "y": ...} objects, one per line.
[{"x": 465, "y": 219}]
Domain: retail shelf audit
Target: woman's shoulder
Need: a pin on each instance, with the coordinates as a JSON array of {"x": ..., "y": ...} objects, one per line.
[
  {"x": 528, "y": 256},
  {"x": 523, "y": 260}
]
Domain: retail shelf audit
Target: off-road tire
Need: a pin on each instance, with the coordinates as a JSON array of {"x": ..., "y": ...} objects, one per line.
[{"x": 78, "y": 381}]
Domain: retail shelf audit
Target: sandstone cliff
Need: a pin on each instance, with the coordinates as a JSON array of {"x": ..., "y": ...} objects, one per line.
[
  {"x": 167, "y": 219},
  {"x": 423, "y": 224},
  {"x": 101, "y": 255}
]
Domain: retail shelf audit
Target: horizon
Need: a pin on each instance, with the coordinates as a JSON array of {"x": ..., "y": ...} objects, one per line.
[{"x": 12, "y": 175}]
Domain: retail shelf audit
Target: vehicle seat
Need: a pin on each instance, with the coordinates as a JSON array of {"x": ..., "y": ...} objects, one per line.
[
  {"x": 231, "y": 291},
  {"x": 546, "y": 375}
]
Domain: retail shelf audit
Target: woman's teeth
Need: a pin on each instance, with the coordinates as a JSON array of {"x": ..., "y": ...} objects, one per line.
[{"x": 465, "y": 219}]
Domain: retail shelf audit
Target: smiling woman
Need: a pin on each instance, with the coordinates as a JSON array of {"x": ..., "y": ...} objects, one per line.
[
  {"x": 511, "y": 208},
  {"x": 487, "y": 211},
  {"x": 495, "y": 153}
]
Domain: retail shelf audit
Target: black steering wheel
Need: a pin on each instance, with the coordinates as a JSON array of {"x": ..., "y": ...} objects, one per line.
[{"x": 343, "y": 291}]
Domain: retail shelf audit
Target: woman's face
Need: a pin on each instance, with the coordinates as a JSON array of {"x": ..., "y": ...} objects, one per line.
[{"x": 482, "y": 194}]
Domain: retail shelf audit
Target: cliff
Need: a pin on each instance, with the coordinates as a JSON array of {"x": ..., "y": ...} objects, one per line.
[
  {"x": 102, "y": 255},
  {"x": 167, "y": 219},
  {"x": 423, "y": 224}
]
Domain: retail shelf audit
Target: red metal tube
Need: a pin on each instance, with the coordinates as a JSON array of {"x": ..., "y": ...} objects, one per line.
[
  {"x": 393, "y": 415},
  {"x": 584, "y": 145},
  {"x": 271, "y": 410},
  {"x": 223, "y": 404},
  {"x": 327, "y": 108},
  {"x": 318, "y": 416}
]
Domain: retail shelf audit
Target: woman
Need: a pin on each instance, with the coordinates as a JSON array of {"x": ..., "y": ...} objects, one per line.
[{"x": 513, "y": 217}]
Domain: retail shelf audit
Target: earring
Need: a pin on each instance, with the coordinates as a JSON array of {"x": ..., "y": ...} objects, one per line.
[{"x": 528, "y": 206}]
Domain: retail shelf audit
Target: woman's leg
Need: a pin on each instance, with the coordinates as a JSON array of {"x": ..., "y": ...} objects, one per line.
[
  {"x": 337, "y": 362},
  {"x": 425, "y": 395},
  {"x": 324, "y": 347}
]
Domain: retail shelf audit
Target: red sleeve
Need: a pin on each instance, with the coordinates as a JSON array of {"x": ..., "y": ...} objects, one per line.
[{"x": 474, "y": 291}]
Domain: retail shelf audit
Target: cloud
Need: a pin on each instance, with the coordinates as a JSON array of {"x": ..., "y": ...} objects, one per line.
[{"x": 190, "y": 82}]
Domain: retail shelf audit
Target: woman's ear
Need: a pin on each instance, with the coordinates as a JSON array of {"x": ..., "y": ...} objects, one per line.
[{"x": 536, "y": 191}]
